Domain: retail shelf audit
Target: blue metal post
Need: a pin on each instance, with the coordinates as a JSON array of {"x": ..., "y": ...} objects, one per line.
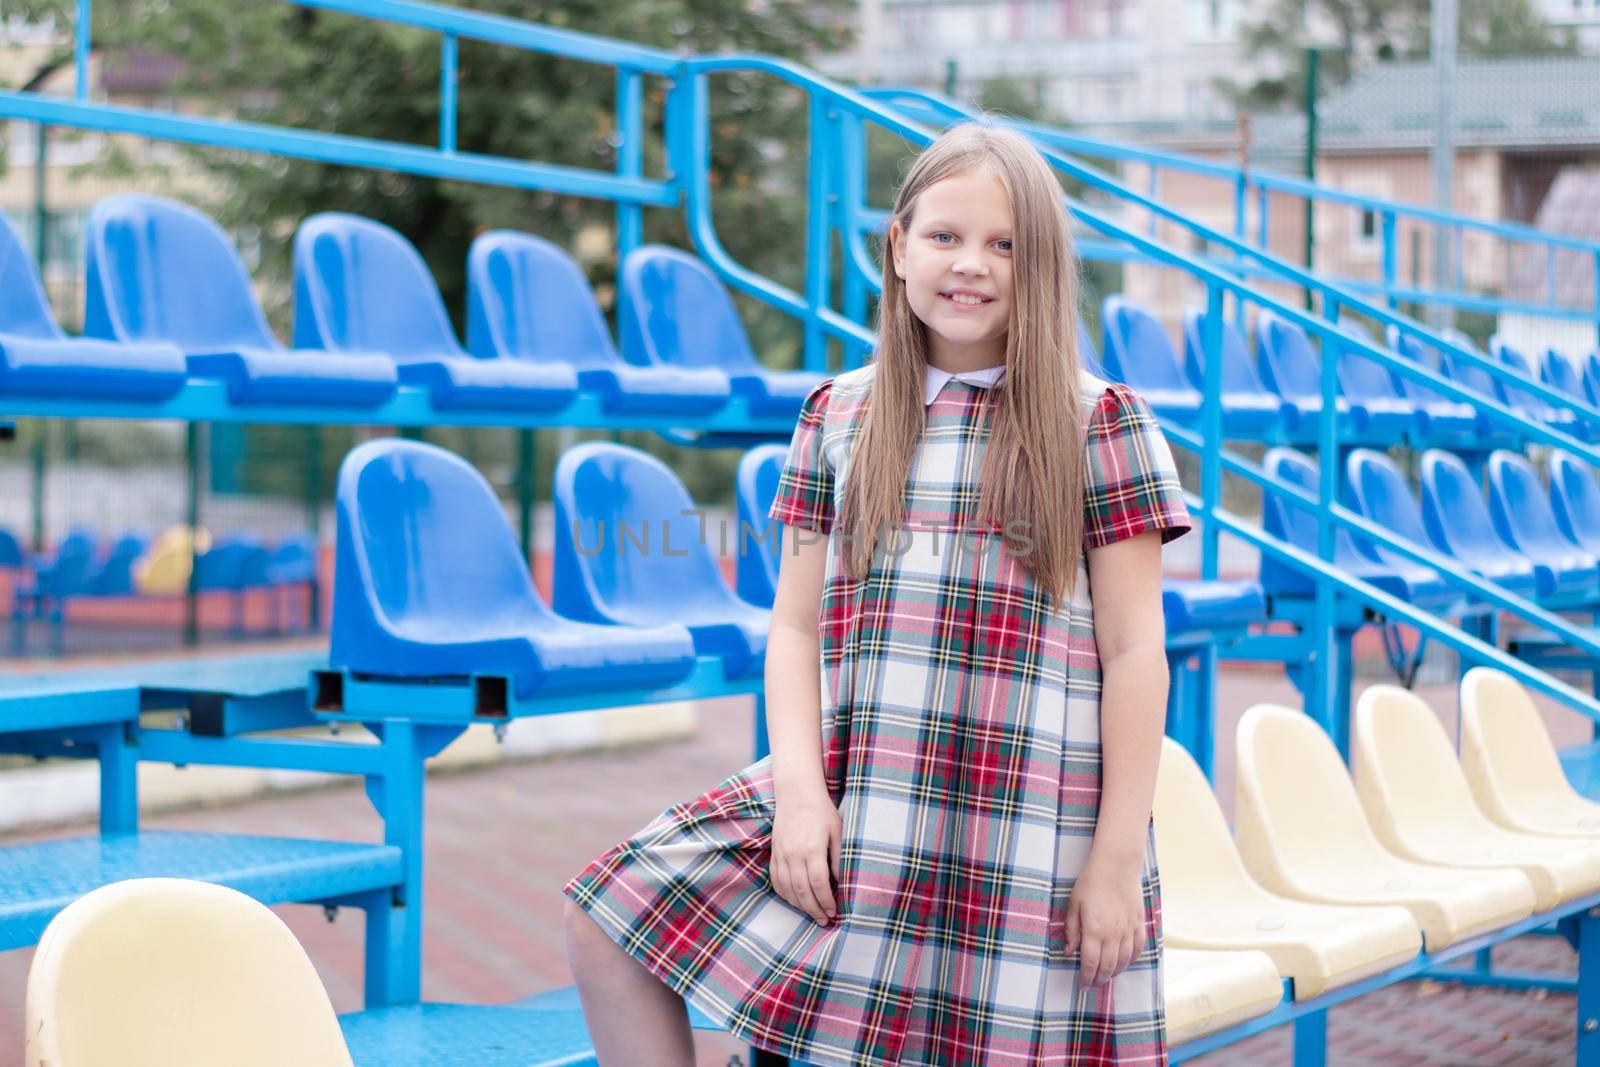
[
  {"x": 1322, "y": 693},
  {"x": 1588, "y": 1051},
  {"x": 1211, "y": 430},
  {"x": 447, "y": 93},
  {"x": 1311, "y": 1040},
  {"x": 1391, "y": 260},
  {"x": 81, "y": 50},
  {"x": 398, "y": 797},
  {"x": 1200, "y": 708},
  {"x": 383, "y": 936},
  {"x": 818, "y": 238},
  {"x": 1241, "y": 192},
  {"x": 1597, "y": 297},
  {"x": 630, "y": 164},
  {"x": 850, "y": 137},
  {"x": 119, "y": 779}
]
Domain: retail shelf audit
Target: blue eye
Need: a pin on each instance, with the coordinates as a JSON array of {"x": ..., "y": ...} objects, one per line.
[
  {"x": 1004, "y": 244},
  {"x": 939, "y": 235}
]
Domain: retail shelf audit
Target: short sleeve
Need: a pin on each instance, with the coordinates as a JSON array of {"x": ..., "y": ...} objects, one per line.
[
  {"x": 805, "y": 488},
  {"x": 1132, "y": 485}
]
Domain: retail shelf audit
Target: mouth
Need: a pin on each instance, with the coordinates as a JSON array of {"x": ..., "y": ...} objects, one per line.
[{"x": 962, "y": 298}]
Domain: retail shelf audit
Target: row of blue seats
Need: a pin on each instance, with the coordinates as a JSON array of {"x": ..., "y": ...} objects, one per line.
[
  {"x": 78, "y": 566},
  {"x": 429, "y": 580},
  {"x": 1536, "y": 542},
  {"x": 168, "y": 298},
  {"x": 1277, "y": 395}
]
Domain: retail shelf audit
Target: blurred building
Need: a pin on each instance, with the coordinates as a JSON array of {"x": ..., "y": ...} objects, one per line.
[
  {"x": 1527, "y": 136},
  {"x": 1090, "y": 60}
]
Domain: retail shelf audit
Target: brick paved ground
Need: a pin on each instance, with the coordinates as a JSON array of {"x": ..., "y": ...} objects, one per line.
[{"x": 501, "y": 842}]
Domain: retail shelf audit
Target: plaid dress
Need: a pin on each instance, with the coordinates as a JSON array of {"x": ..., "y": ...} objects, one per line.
[{"x": 960, "y": 733}]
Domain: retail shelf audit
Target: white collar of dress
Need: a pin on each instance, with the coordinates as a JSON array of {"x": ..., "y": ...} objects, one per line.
[{"x": 935, "y": 379}]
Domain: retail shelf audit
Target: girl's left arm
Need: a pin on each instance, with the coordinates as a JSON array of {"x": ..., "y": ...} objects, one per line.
[
  {"x": 1131, "y": 633},
  {"x": 1107, "y": 907}
]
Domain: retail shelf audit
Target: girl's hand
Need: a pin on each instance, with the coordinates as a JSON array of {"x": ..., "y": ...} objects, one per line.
[
  {"x": 1105, "y": 919},
  {"x": 805, "y": 849}
]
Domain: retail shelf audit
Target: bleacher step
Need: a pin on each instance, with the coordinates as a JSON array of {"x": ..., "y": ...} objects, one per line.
[
  {"x": 38, "y": 880},
  {"x": 414, "y": 1035}
]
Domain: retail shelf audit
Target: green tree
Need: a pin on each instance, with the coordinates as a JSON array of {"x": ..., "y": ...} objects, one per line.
[{"x": 1368, "y": 31}]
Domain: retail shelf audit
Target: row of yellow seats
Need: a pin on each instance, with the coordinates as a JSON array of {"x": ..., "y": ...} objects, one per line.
[{"x": 1330, "y": 878}]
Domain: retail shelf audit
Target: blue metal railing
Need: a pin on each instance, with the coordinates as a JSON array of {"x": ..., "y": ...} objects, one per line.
[
  {"x": 835, "y": 191},
  {"x": 1249, "y": 186}
]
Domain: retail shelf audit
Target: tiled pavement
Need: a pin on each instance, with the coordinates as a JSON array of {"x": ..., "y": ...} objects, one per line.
[{"x": 501, "y": 842}]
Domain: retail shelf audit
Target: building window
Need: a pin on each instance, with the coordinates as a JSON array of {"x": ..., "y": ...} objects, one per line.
[{"x": 1212, "y": 20}]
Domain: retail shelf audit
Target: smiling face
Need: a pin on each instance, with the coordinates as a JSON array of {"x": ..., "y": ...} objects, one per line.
[{"x": 955, "y": 260}]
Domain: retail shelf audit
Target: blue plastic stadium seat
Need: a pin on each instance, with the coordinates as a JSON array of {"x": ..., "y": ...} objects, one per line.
[
  {"x": 11, "y": 554},
  {"x": 1441, "y": 421},
  {"x": 64, "y": 573},
  {"x": 1289, "y": 367},
  {"x": 1406, "y": 579},
  {"x": 114, "y": 575},
  {"x": 1559, "y": 372},
  {"x": 1379, "y": 408},
  {"x": 255, "y": 566},
  {"x": 626, "y": 554},
  {"x": 429, "y": 582},
  {"x": 755, "y": 487},
  {"x": 1138, "y": 352},
  {"x": 1379, "y": 493},
  {"x": 1241, "y": 386},
  {"x": 361, "y": 287},
  {"x": 1532, "y": 407},
  {"x": 1591, "y": 377},
  {"x": 1192, "y": 605},
  {"x": 293, "y": 560},
  {"x": 159, "y": 270},
  {"x": 222, "y": 566},
  {"x": 1459, "y": 525},
  {"x": 1575, "y": 500},
  {"x": 1523, "y": 518},
  {"x": 37, "y": 358},
  {"x": 1467, "y": 374},
  {"x": 679, "y": 314},
  {"x": 528, "y": 300}
]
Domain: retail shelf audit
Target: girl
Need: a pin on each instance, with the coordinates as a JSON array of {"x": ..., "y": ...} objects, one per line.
[{"x": 947, "y": 859}]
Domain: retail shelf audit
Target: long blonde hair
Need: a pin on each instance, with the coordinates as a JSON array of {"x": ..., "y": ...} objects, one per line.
[{"x": 1034, "y": 468}]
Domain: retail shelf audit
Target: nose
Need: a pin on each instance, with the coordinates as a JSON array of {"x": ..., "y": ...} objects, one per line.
[{"x": 971, "y": 264}]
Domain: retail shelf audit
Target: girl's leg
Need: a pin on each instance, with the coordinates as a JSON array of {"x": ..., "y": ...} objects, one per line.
[{"x": 635, "y": 1018}]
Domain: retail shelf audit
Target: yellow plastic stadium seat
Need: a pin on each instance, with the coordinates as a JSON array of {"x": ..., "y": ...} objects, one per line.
[
  {"x": 1418, "y": 802},
  {"x": 1302, "y": 833},
  {"x": 165, "y": 972},
  {"x": 1211, "y": 991},
  {"x": 1511, "y": 764},
  {"x": 1209, "y": 901},
  {"x": 164, "y": 570}
]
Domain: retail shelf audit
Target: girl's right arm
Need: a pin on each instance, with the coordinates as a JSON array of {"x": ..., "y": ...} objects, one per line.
[{"x": 807, "y": 826}]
